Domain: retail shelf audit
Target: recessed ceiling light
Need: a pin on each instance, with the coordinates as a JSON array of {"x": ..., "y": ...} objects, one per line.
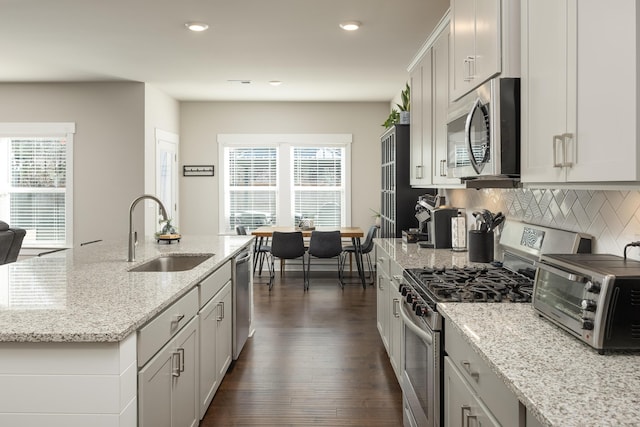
[
  {"x": 275, "y": 82},
  {"x": 350, "y": 25},
  {"x": 196, "y": 26}
]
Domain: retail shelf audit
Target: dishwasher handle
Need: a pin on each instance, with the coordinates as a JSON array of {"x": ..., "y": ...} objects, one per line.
[{"x": 243, "y": 257}]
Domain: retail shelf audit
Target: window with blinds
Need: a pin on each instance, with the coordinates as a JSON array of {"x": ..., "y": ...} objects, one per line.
[
  {"x": 319, "y": 184},
  {"x": 35, "y": 184},
  {"x": 251, "y": 192},
  {"x": 280, "y": 179}
]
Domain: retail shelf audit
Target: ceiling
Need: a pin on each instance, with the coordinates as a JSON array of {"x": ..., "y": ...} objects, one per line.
[{"x": 297, "y": 42}]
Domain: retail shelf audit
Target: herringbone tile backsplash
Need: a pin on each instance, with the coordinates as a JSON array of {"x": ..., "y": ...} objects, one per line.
[{"x": 611, "y": 217}]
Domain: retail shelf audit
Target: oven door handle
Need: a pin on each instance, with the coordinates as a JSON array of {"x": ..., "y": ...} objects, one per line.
[
  {"x": 564, "y": 274},
  {"x": 421, "y": 333}
]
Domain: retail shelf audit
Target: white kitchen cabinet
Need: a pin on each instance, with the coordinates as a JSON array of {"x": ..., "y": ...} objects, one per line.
[
  {"x": 215, "y": 345},
  {"x": 169, "y": 367},
  {"x": 168, "y": 383},
  {"x": 382, "y": 297},
  {"x": 579, "y": 92},
  {"x": 440, "y": 75},
  {"x": 421, "y": 122},
  {"x": 395, "y": 321},
  {"x": 475, "y": 44},
  {"x": 429, "y": 75},
  {"x": 388, "y": 297},
  {"x": 463, "y": 366},
  {"x": 461, "y": 405}
]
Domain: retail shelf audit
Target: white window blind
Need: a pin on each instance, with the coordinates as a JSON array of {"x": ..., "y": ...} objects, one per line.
[
  {"x": 252, "y": 188},
  {"x": 319, "y": 184},
  {"x": 35, "y": 163},
  {"x": 280, "y": 179}
]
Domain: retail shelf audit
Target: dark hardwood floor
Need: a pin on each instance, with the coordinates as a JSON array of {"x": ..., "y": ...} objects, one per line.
[{"x": 316, "y": 359}]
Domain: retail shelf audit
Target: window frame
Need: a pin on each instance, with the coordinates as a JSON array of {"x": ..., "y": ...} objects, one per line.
[
  {"x": 50, "y": 129},
  {"x": 284, "y": 144}
]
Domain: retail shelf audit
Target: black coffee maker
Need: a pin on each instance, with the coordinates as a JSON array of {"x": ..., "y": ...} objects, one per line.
[{"x": 434, "y": 221}]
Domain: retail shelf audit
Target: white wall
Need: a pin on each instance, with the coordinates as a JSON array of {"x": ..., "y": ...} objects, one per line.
[
  {"x": 200, "y": 122},
  {"x": 161, "y": 112},
  {"x": 108, "y": 145}
]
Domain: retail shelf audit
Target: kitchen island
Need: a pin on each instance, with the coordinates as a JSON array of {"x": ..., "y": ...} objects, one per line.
[
  {"x": 557, "y": 380},
  {"x": 68, "y": 324}
]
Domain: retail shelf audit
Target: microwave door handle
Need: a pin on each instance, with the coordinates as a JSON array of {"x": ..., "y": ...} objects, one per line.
[
  {"x": 564, "y": 274},
  {"x": 477, "y": 106}
]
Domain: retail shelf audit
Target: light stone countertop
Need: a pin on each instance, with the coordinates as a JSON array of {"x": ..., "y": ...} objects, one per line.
[
  {"x": 87, "y": 294},
  {"x": 562, "y": 381},
  {"x": 410, "y": 255}
]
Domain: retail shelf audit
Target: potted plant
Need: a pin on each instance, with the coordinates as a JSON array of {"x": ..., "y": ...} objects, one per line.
[
  {"x": 377, "y": 217},
  {"x": 401, "y": 114},
  {"x": 405, "y": 107}
]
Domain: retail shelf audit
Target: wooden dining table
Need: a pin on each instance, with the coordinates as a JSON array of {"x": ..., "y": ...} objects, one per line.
[{"x": 354, "y": 233}]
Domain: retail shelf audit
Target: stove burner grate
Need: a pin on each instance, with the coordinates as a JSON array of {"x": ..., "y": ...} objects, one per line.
[{"x": 474, "y": 284}]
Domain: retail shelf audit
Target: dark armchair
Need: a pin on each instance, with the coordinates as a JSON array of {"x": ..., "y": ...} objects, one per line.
[{"x": 10, "y": 242}]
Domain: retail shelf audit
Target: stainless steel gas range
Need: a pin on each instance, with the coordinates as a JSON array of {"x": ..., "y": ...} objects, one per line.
[{"x": 508, "y": 281}]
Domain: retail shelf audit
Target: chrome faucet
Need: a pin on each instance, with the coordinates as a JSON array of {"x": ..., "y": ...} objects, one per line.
[{"x": 133, "y": 235}]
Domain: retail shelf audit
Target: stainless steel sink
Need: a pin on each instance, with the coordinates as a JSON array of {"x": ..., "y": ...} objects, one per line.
[{"x": 172, "y": 262}]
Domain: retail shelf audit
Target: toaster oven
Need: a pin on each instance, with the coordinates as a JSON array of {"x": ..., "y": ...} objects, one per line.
[{"x": 595, "y": 297}]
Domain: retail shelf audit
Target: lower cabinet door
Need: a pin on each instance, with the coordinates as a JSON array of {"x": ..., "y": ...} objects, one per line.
[
  {"x": 215, "y": 345},
  {"x": 224, "y": 341},
  {"x": 167, "y": 384},
  {"x": 461, "y": 406}
]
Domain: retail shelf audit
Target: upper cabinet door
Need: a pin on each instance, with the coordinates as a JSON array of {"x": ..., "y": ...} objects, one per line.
[
  {"x": 463, "y": 35},
  {"x": 488, "y": 29},
  {"x": 440, "y": 58},
  {"x": 475, "y": 44},
  {"x": 421, "y": 122},
  {"x": 579, "y": 125},
  {"x": 548, "y": 116}
]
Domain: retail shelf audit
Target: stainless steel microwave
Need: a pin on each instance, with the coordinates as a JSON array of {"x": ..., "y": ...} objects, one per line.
[{"x": 483, "y": 132}]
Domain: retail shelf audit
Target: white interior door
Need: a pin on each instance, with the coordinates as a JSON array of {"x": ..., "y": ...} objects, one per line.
[{"x": 167, "y": 172}]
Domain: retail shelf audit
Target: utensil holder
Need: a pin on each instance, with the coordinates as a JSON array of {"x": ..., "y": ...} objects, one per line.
[{"x": 480, "y": 246}]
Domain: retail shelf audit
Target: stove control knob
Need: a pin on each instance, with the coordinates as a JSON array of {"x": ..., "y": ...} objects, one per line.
[
  {"x": 420, "y": 310},
  {"x": 587, "y": 324},
  {"x": 410, "y": 297},
  {"x": 588, "y": 305},
  {"x": 404, "y": 290},
  {"x": 593, "y": 287}
]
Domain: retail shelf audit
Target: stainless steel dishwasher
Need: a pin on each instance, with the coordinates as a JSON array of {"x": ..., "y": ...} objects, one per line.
[{"x": 241, "y": 293}]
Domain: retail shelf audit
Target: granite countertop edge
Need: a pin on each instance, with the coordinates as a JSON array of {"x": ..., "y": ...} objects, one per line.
[{"x": 100, "y": 272}]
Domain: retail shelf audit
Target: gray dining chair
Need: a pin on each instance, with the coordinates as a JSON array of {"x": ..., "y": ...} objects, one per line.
[
  {"x": 366, "y": 248},
  {"x": 287, "y": 245},
  {"x": 260, "y": 250},
  {"x": 326, "y": 244}
]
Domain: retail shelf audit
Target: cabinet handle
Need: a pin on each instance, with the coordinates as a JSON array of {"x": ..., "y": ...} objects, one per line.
[
  {"x": 380, "y": 284},
  {"x": 566, "y": 137},
  {"x": 396, "y": 304},
  {"x": 557, "y": 139},
  {"x": 175, "y": 367},
  {"x": 467, "y": 68},
  {"x": 418, "y": 172},
  {"x": 443, "y": 164},
  {"x": 467, "y": 367},
  {"x": 181, "y": 353},
  {"x": 177, "y": 318},
  {"x": 464, "y": 415},
  {"x": 221, "y": 311}
]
